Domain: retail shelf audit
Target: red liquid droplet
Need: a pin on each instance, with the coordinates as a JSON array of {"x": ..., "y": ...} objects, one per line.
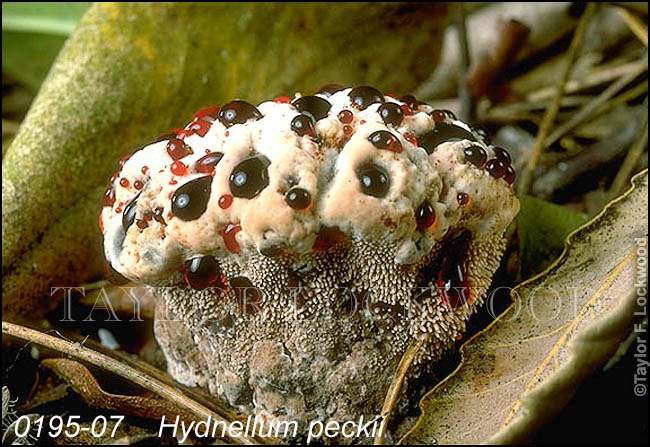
[
  {"x": 406, "y": 110},
  {"x": 463, "y": 199},
  {"x": 109, "y": 197},
  {"x": 207, "y": 113},
  {"x": 200, "y": 127},
  {"x": 411, "y": 139},
  {"x": 144, "y": 170},
  {"x": 124, "y": 182},
  {"x": 124, "y": 160},
  {"x": 177, "y": 149},
  {"x": 425, "y": 216},
  {"x": 451, "y": 282},
  {"x": 138, "y": 184},
  {"x": 228, "y": 234},
  {"x": 118, "y": 210},
  {"x": 495, "y": 168},
  {"x": 207, "y": 163},
  {"x": 178, "y": 168},
  {"x": 225, "y": 201},
  {"x": 203, "y": 272},
  {"x": 439, "y": 115},
  {"x": 282, "y": 100},
  {"x": 346, "y": 116},
  {"x": 510, "y": 176},
  {"x": 348, "y": 131},
  {"x": 382, "y": 139},
  {"x": 114, "y": 176}
]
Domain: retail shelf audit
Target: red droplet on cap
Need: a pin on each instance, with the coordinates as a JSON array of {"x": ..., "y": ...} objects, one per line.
[
  {"x": 207, "y": 113},
  {"x": 282, "y": 100},
  {"x": 225, "y": 201},
  {"x": 178, "y": 168},
  {"x": 124, "y": 182},
  {"x": 177, "y": 149},
  {"x": 228, "y": 234}
]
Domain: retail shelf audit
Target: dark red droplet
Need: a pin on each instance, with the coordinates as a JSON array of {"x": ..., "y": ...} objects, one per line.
[
  {"x": 109, "y": 196},
  {"x": 510, "y": 176},
  {"x": 451, "y": 281},
  {"x": 177, "y": 149},
  {"x": 502, "y": 155},
  {"x": 190, "y": 201},
  {"x": 463, "y": 199},
  {"x": 410, "y": 101},
  {"x": 144, "y": 170},
  {"x": 425, "y": 216},
  {"x": 442, "y": 115},
  {"x": 298, "y": 198},
  {"x": 391, "y": 114},
  {"x": 314, "y": 106},
  {"x": 249, "y": 298},
  {"x": 476, "y": 155},
  {"x": 495, "y": 168},
  {"x": 303, "y": 125},
  {"x": 228, "y": 234},
  {"x": 124, "y": 160},
  {"x": 199, "y": 127},
  {"x": 138, "y": 184},
  {"x": 363, "y": 96},
  {"x": 207, "y": 113},
  {"x": 383, "y": 139},
  {"x": 330, "y": 89},
  {"x": 238, "y": 112},
  {"x": 225, "y": 201},
  {"x": 348, "y": 130},
  {"x": 203, "y": 272},
  {"x": 443, "y": 133},
  {"x": 282, "y": 100},
  {"x": 124, "y": 182},
  {"x": 346, "y": 116},
  {"x": 374, "y": 180},
  {"x": 207, "y": 163},
  {"x": 158, "y": 217},
  {"x": 250, "y": 177}
]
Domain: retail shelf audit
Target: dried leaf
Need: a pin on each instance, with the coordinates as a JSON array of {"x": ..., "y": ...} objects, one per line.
[
  {"x": 132, "y": 71},
  {"x": 563, "y": 324}
]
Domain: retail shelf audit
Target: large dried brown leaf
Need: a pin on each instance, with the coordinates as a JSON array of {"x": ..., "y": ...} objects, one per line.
[{"x": 563, "y": 324}]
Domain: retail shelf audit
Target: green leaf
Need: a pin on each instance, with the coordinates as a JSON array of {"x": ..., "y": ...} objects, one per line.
[
  {"x": 132, "y": 71},
  {"x": 543, "y": 227},
  {"x": 32, "y": 36}
]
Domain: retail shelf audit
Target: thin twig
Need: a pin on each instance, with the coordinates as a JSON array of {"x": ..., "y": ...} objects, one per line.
[
  {"x": 109, "y": 364},
  {"x": 638, "y": 28},
  {"x": 466, "y": 101},
  {"x": 553, "y": 109},
  {"x": 395, "y": 386},
  {"x": 627, "y": 168},
  {"x": 588, "y": 111}
]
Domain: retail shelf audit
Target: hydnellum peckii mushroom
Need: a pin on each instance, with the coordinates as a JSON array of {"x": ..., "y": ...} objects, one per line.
[{"x": 297, "y": 248}]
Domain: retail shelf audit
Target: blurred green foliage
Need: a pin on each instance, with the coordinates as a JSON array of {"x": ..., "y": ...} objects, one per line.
[
  {"x": 543, "y": 227},
  {"x": 33, "y": 34}
]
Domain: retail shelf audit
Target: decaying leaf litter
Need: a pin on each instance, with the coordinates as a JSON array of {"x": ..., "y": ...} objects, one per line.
[{"x": 563, "y": 87}]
